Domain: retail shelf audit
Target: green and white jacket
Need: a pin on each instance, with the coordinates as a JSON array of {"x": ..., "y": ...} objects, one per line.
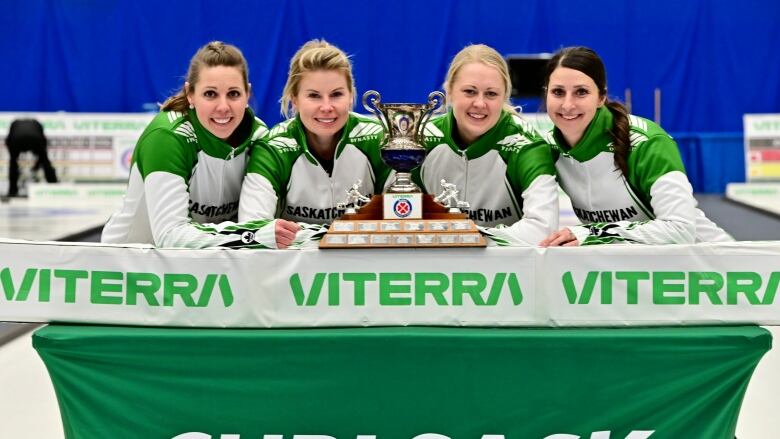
[
  {"x": 507, "y": 176},
  {"x": 184, "y": 187},
  {"x": 654, "y": 204},
  {"x": 284, "y": 180}
]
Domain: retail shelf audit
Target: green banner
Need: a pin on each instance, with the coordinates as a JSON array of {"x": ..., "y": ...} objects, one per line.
[{"x": 400, "y": 383}]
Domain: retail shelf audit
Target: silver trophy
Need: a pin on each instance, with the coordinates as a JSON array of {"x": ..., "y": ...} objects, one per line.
[
  {"x": 402, "y": 145},
  {"x": 449, "y": 195},
  {"x": 354, "y": 197}
]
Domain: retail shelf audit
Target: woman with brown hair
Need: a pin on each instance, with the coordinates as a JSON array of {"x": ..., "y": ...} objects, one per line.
[
  {"x": 623, "y": 173},
  {"x": 189, "y": 163}
]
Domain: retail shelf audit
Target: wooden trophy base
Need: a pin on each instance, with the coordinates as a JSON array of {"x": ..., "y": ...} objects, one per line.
[{"x": 368, "y": 229}]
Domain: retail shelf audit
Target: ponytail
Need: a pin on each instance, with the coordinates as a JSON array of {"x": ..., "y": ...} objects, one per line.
[{"x": 621, "y": 137}]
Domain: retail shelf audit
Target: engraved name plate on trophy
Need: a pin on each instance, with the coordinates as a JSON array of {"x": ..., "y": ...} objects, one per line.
[{"x": 439, "y": 227}]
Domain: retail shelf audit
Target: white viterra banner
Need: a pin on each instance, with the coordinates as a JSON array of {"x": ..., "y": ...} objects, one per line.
[
  {"x": 84, "y": 146},
  {"x": 650, "y": 285},
  {"x": 613, "y": 285},
  {"x": 762, "y": 146},
  {"x": 98, "y": 283}
]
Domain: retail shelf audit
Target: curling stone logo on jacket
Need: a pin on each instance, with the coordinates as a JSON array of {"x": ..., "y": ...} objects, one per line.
[{"x": 402, "y": 207}]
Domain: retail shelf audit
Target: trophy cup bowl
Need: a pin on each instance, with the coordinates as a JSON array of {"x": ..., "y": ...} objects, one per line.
[{"x": 402, "y": 146}]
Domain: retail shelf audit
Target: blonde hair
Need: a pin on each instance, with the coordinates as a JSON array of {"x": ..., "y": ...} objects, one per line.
[
  {"x": 213, "y": 54},
  {"x": 480, "y": 53},
  {"x": 312, "y": 56}
]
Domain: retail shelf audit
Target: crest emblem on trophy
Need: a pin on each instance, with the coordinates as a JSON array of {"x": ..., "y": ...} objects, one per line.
[{"x": 402, "y": 147}]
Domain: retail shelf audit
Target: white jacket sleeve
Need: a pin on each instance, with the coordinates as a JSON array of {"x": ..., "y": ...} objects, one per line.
[
  {"x": 674, "y": 207},
  {"x": 540, "y": 216},
  {"x": 167, "y": 202},
  {"x": 258, "y": 198},
  {"x": 259, "y": 202}
]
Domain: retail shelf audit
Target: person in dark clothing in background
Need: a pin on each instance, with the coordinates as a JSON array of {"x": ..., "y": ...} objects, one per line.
[{"x": 27, "y": 135}]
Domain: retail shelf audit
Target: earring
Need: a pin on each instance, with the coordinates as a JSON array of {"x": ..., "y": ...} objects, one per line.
[{"x": 191, "y": 106}]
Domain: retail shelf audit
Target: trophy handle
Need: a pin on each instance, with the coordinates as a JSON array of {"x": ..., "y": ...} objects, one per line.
[
  {"x": 435, "y": 101},
  {"x": 371, "y": 100}
]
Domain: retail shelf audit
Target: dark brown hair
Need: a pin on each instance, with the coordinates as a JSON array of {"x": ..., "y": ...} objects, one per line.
[
  {"x": 213, "y": 54},
  {"x": 588, "y": 62}
]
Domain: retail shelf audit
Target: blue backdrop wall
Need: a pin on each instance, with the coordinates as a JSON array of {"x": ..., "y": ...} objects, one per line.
[{"x": 713, "y": 60}]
